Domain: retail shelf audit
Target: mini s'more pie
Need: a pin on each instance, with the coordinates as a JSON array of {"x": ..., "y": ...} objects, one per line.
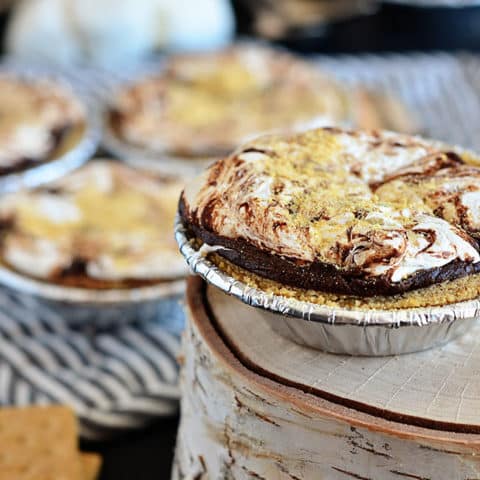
[
  {"x": 37, "y": 119},
  {"x": 204, "y": 105},
  {"x": 362, "y": 213},
  {"x": 103, "y": 226}
]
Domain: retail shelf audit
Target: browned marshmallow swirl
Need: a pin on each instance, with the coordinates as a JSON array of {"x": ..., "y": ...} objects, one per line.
[
  {"x": 206, "y": 104},
  {"x": 311, "y": 210},
  {"x": 445, "y": 185}
]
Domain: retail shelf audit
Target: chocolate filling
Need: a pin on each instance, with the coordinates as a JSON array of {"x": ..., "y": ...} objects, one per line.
[{"x": 317, "y": 275}]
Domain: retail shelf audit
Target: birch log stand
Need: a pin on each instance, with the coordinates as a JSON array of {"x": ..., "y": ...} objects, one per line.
[{"x": 257, "y": 406}]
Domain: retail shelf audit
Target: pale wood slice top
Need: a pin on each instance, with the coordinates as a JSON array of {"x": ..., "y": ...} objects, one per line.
[{"x": 439, "y": 388}]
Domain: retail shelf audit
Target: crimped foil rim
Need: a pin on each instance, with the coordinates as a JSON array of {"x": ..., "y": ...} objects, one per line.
[
  {"x": 50, "y": 291},
  {"x": 75, "y": 157},
  {"x": 278, "y": 304}
]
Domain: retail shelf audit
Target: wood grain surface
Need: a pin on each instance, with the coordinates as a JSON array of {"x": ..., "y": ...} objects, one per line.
[
  {"x": 438, "y": 388},
  {"x": 239, "y": 422}
]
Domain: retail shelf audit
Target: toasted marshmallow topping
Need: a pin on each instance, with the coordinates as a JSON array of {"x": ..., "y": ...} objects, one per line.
[
  {"x": 31, "y": 116},
  {"x": 451, "y": 191},
  {"x": 314, "y": 197},
  {"x": 116, "y": 221},
  {"x": 221, "y": 99}
]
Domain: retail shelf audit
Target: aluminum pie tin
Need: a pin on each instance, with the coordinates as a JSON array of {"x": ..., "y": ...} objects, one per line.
[
  {"x": 83, "y": 148},
  {"x": 101, "y": 308},
  {"x": 339, "y": 330}
]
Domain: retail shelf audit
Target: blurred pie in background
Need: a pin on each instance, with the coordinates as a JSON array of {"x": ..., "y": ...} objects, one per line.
[
  {"x": 39, "y": 121},
  {"x": 103, "y": 226},
  {"x": 204, "y": 105}
]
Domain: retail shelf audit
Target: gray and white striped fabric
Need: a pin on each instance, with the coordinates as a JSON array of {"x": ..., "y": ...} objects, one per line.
[
  {"x": 114, "y": 379},
  {"x": 123, "y": 377},
  {"x": 440, "y": 89}
]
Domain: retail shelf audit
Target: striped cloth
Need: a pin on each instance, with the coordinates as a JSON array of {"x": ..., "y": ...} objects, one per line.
[
  {"x": 114, "y": 379},
  {"x": 123, "y": 377}
]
